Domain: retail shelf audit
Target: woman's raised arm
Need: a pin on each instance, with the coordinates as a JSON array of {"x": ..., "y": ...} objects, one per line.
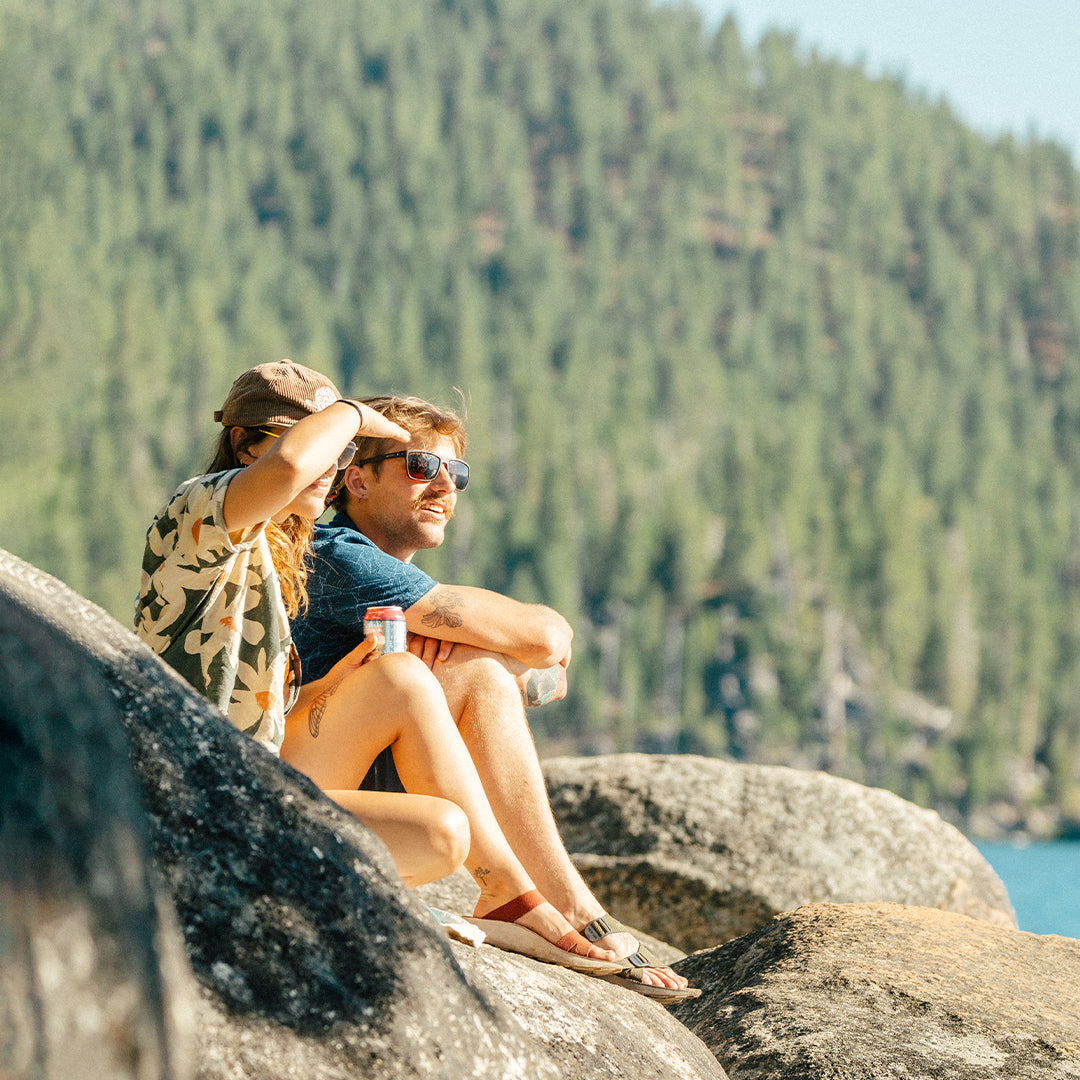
[{"x": 298, "y": 458}]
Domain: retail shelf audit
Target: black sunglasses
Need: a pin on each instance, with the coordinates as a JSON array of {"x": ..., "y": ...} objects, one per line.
[{"x": 424, "y": 465}]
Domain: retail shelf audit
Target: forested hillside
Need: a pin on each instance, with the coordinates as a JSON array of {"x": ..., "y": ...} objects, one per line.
[{"x": 772, "y": 369}]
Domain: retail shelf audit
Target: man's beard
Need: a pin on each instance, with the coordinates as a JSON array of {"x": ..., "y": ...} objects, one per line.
[{"x": 419, "y": 533}]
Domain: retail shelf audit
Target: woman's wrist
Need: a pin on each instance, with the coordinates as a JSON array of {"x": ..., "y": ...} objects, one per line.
[{"x": 356, "y": 405}]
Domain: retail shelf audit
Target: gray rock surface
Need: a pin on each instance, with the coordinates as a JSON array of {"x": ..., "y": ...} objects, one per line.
[
  {"x": 94, "y": 980},
  {"x": 590, "y": 1028},
  {"x": 313, "y": 960},
  {"x": 851, "y": 991},
  {"x": 697, "y": 851}
]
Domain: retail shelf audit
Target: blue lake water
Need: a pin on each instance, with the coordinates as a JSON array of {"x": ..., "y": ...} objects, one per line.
[{"x": 1043, "y": 882}]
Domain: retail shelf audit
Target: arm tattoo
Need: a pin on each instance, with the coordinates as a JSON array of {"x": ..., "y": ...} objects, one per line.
[
  {"x": 444, "y": 604},
  {"x": 540, "y": 686}
]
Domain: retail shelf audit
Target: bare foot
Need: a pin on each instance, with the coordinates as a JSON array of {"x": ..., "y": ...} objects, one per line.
[
  {"x": 624, "y": 944},
  {"x": 663, "y": 976}
]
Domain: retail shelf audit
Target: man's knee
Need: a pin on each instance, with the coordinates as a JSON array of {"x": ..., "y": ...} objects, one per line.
[{"x": 475, "y": 671}]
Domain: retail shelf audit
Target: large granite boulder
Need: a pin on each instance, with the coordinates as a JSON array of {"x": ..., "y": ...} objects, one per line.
[
  {"x": 94, "y": 980},
  {"x": 312, "y": 959},
  {"x": 698, "y": 851},
  {"x": 881, "y": 990}
]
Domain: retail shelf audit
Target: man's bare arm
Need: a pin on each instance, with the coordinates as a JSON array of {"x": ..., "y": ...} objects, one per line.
[
  {"x": 533, "y": 634},
  {"x": 445, "y": 610}
]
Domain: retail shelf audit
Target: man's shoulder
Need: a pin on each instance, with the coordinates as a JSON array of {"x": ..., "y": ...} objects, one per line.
[
  {"x": 333, "y": 532},
  {"x": 343, "y": 536},
  {"x": 349, "y": 572}
]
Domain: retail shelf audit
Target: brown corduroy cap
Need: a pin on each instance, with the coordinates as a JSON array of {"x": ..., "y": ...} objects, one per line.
[{"x": 277, "y": 393}]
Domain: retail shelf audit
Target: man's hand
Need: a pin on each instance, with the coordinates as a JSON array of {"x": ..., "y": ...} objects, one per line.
[
  {"x": 538, "y": 686},
  {"x": 430, "y": 650}
]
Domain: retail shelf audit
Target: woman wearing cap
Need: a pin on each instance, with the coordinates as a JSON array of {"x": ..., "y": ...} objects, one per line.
[{"x": 223, "y": 570}]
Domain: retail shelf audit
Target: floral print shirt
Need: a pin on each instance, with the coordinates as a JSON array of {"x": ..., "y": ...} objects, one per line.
[{"x": 213, "y": 610}]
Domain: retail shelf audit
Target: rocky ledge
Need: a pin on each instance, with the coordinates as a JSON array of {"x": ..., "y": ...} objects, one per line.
[
  {"x": 885, "y": 990},
  {"x": 176, "y": 903}
]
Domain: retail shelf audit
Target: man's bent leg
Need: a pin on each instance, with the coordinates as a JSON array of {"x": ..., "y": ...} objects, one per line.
[{"x": 485, "y": 700}]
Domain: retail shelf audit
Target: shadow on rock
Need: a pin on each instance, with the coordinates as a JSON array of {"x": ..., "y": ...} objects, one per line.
[{"x": 93, "y": 977}]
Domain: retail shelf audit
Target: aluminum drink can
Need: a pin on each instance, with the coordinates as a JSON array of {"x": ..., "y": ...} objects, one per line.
[{"x": 391, "y": 621}]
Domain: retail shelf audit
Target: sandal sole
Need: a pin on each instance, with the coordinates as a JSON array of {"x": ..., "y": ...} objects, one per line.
[{"x": 513, "y": 938}]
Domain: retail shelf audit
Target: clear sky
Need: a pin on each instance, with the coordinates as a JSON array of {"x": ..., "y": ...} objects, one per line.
[{"x": 1003, "y": 65}]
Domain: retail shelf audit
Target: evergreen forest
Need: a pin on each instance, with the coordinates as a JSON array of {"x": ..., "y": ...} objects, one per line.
[{"x": 772, "y": 368}]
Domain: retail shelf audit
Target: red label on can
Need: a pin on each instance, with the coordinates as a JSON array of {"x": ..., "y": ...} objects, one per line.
[{"x": 391, "y": 621}]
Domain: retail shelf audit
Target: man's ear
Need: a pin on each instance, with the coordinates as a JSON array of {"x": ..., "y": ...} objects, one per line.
[{"x": 356, "y": 482}]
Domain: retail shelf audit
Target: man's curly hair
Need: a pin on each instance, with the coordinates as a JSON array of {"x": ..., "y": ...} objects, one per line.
[{"x": 415, "y": 415}]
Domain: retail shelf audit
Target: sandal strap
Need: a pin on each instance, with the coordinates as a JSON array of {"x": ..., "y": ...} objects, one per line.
[
  {"x": 512, "y": 910},
  {"x": 573, "y": 942},
  {"x": 599, "y": 928},
  {"x": 607, "y": 924}
]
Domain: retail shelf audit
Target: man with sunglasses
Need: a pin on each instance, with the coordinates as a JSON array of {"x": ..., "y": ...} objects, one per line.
[{"x": 493, "y": 655}]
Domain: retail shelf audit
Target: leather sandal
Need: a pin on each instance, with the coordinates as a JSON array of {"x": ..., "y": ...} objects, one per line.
[
  {"x": 629, "y": 976},
  {"x": 502, "y": 931}
]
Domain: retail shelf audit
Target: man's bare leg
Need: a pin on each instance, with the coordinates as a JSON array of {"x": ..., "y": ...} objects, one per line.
[{"x": 486, "y": 702}]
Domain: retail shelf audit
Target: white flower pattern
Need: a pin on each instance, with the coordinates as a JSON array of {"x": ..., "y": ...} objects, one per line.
[{"x": 213, "y": 609}]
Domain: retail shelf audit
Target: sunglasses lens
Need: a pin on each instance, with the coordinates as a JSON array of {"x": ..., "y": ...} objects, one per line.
[
  {"x": 422, "y": 465},
  {"x": 346, "y": 456},
  {"x": 459, "y": 473}
]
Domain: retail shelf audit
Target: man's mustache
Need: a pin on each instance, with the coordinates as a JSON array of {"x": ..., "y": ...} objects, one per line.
[{"x": 427, "y": 500}]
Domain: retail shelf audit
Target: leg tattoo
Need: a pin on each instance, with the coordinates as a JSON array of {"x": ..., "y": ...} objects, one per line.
[{"x": 318, "y": 708}]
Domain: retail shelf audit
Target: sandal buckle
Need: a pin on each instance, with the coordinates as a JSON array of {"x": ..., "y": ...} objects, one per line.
[{"x": 597, "y": 929}]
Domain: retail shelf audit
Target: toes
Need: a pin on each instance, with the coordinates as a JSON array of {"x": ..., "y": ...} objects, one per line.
[{"x": 664, "y": 977}]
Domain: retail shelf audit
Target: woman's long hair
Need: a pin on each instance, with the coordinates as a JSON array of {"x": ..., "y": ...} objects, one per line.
[{"x": 289, "y": 541}]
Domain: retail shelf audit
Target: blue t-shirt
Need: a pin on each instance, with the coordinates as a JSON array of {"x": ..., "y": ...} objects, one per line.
[{"x": 348, "y": 575}]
